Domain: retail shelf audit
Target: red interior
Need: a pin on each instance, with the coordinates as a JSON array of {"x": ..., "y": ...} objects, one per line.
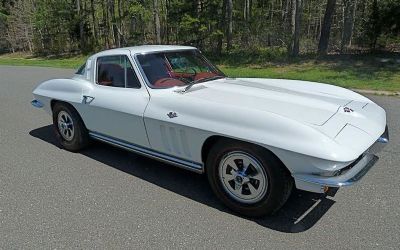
[
  {"x": 109, "y": 75},
  {"x": 171, "y": 81},
  {"x": 107, "y": 72}
]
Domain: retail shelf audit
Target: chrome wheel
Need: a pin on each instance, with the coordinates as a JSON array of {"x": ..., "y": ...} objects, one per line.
[
  {"x": 65, "y": 125},
  {"x": 243, "y": 177}
]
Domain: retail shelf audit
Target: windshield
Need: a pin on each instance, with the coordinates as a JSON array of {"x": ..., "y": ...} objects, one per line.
[{"x": 177, "y": 68}]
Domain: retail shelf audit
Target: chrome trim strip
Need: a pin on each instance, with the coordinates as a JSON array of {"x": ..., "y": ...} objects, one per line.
[
  {"x": 37, "y": 104},
  {"x": 192, "y": 166}
]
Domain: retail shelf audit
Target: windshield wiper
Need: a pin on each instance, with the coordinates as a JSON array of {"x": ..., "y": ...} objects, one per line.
[
  {"x": 199, "y": 80},
  {"x": 183, "y": 80}
]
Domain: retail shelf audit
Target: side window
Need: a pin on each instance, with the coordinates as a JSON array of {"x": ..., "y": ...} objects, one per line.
[
  {"x": 132, "y": 80},
  {"x": 116, "y": 71},
  {"x": 81, "y": 70}
]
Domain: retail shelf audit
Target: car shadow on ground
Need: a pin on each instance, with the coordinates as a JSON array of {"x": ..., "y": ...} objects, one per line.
[{"x": 301, "y": 212}]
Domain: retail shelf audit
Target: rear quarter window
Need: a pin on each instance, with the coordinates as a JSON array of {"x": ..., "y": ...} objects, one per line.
[{"x": 81, "y": 70}]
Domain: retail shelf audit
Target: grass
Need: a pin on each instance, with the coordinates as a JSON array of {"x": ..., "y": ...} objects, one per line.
[
  {"x": 23, "y": 60},
  {"x": 379, "y": 72},
  {"x": 351, "y": 76}
]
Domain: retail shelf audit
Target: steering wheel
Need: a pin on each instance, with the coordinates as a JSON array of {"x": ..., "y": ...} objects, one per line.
[{"x": 168, "y": 82}]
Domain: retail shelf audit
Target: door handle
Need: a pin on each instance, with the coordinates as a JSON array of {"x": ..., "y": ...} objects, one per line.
[{"x": 87, "y": 99}]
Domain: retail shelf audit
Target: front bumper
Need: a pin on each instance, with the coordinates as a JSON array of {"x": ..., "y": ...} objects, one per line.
[{"x": 348, "y": 175}]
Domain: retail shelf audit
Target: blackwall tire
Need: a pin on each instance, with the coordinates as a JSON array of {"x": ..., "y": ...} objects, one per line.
[
  {"x": 248, "y": 179},
  {"x": 70, "y": 129}
]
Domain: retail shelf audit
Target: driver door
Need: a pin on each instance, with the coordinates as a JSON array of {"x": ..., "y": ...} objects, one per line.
[{"x": 114, "y": 107}]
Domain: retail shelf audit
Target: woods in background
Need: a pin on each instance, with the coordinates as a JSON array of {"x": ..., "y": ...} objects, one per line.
[{"x": 53, "y": 27}]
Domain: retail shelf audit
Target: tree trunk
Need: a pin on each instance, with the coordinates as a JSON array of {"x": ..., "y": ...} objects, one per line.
[
  {"x": 375, "y": 28},
  {"x": 81, "y": 26},
  {"x": 285, "y": 11},
  {"x": 246, "y": 10},
  {"x": 114, "y": 26},
  {"x": 104, "y": 28},
  {"x": 157, "y": 26},
  {"x": 167, "y": 6},
  {"x": 326, "y": 28},
  {"x": 229, "y": 9},
  {"x": 221, "y": 25},
  {"x": 199, "y": 8},
  {"x": 348, "y": 24},
  {"x": 120, "y": 24},
  {"x": 296, "y": 26},
  {"x": 94, "y": 29},
  {"x": 245, "y": 35}
]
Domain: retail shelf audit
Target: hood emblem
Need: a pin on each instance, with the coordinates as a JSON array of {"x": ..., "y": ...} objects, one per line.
[
  {"x": 172, "y": 115},
  {"x": 347, "y": 110}
]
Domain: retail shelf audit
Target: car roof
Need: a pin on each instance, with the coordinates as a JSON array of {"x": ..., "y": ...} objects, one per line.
[{"x": 145, "y": 49}]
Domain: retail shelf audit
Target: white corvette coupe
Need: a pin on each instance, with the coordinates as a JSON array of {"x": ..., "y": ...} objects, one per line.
[{"x": 254, "y": 138}]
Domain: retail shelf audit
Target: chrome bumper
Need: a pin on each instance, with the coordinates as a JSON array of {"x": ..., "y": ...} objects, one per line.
[
  {"x": 37, "y": 104},
  {"x": 382, "y": 141},
  {"x": 349, "y": 175}
]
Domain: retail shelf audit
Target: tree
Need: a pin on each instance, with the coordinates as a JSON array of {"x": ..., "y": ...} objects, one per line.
[
  {"x": 94, "y": 24},
  {"x": 221, "y": 24},
  {"x": 229, "y": 33},
  {"x": 4, "y": 14},
  {"x": 157, "y": 27},
  {"x": 247, "y": 10},
  {"x": 114, "y": 27},
  {"x": 20, "y": 30},
  {"x": 349, "y": 9},
  {"x": 326, "y": 28},
  {"x": 373, "y": 27},
  {"x": 81, "y": 25},
  {"x": 266, "y": 28},
  {"x": 297, "y": 9}
]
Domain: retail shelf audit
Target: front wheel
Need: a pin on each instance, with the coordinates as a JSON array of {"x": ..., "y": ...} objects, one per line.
[
  {"x": 247, "y": 178},
  {"x": 69, "y": 127}
]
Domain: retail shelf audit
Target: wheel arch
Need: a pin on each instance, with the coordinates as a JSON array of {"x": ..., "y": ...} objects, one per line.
[
  {"x": 212, "y": 140},
  {"x": 53, "y": 102}
]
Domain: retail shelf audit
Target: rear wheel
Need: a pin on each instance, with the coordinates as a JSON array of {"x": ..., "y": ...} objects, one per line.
[
  {"x": 247, "y": 178},
  {"x": 70, "y": 130}
]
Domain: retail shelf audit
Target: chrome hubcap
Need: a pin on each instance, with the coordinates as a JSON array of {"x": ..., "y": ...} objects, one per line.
[
  {"x": 243, "y": 177},
  {"x": 65, "y": 125}
]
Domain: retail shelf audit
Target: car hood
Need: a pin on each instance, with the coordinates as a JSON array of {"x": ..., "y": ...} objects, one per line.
[{"x": 293, "y": 99}]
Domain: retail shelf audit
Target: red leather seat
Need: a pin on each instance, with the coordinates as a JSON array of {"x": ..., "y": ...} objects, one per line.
[{"x": 110, "y": 74}]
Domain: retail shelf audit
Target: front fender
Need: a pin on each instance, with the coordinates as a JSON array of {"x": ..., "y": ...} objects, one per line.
[
  {"x": 285, "y": 137},
  {"x": 68, "y": 90}
]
